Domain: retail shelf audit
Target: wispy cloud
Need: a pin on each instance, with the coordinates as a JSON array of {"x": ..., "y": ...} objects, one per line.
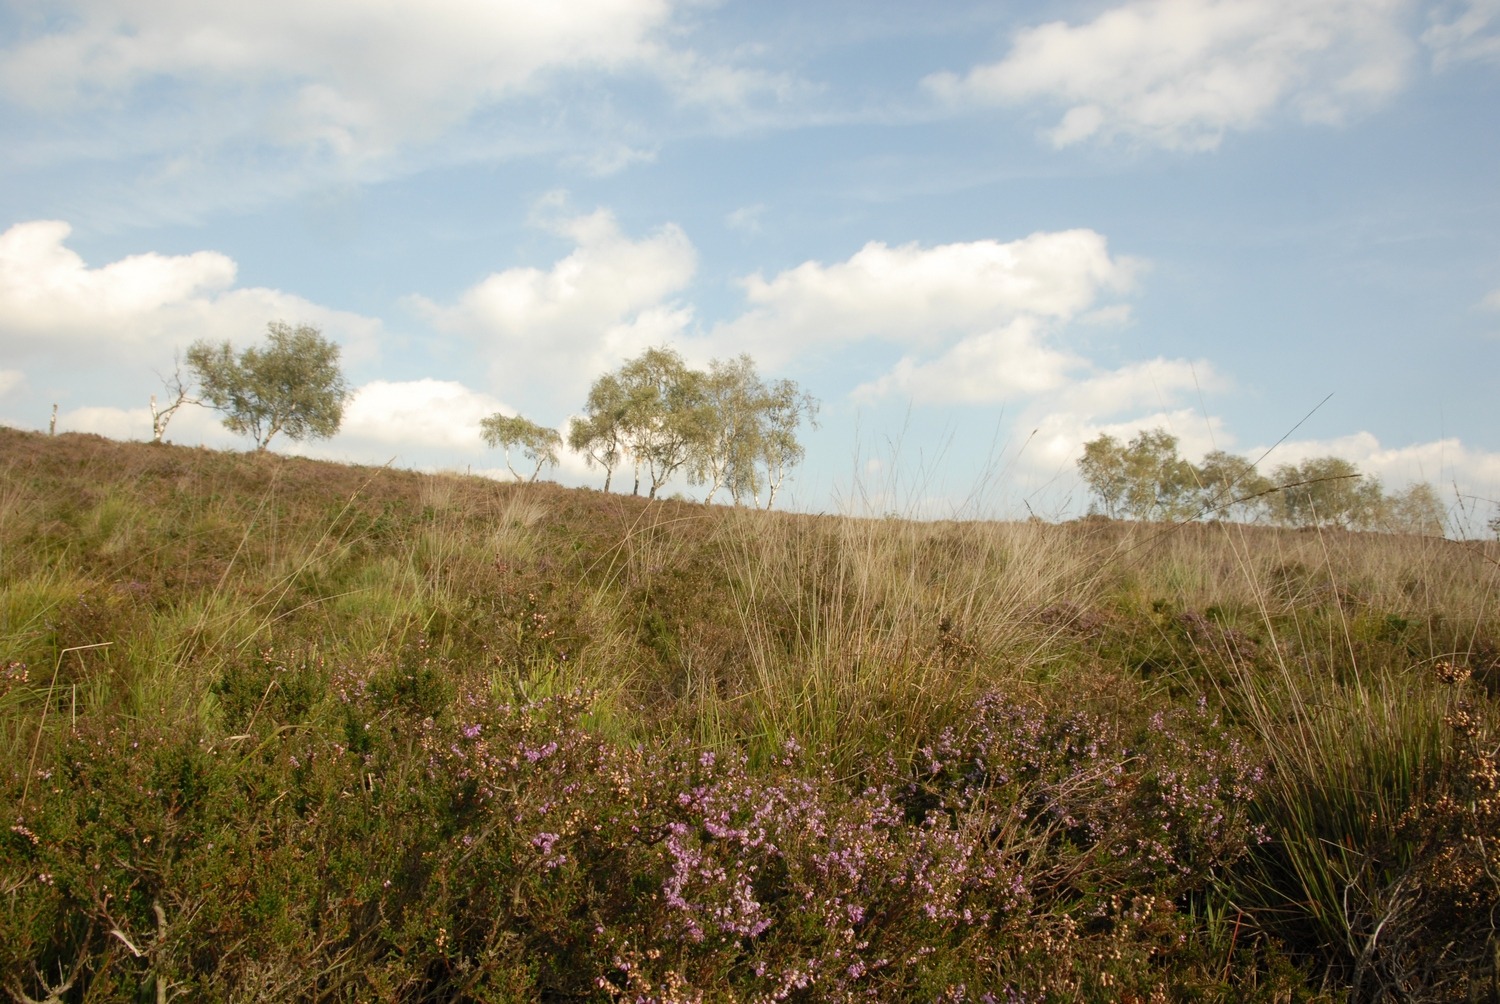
[
  {"x": 610, "y": 160},
  {"x": 338, "y": 74},
  {"x": 1465, "y": 31},
  {"x": 746, "y": 219}
]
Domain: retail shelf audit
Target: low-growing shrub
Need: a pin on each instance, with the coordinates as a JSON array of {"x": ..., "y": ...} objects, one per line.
[{"x": 492, "y": 851}]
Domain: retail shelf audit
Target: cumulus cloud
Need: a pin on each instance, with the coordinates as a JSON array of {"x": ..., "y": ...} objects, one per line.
[
  {"x": 1182, "y": 73},
  {"x": 47, "y": 290},
  {"x": 1121, "y": 402},
  {"x": 989, "y": 366},
  {"x": 53, "y": 304},
  {"x": 1465, "y": 31},
  {"x": 431, "y": 424},
  {"x": 610, "y": 298},
  {"x": 1151, "y": 384},
  {"x": 1440, "y": 461},
  {"x": 408, "y": 414},
  {"x": 1058, "y": 441},
  {"x": 972, "y": 318},
  {"x": 1492, "y": 301}
]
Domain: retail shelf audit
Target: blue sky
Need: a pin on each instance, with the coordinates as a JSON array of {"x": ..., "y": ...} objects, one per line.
[{"x": 979, "y": 233}]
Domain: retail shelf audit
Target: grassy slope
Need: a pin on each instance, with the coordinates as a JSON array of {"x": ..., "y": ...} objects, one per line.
[{"x": 173, "y": 599}]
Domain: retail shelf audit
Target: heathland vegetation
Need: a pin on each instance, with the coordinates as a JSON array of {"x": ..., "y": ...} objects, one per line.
[{"x": 276, "y": 729}]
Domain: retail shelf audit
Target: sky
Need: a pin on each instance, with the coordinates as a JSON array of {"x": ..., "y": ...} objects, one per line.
[{"x": 980, "y": 234}]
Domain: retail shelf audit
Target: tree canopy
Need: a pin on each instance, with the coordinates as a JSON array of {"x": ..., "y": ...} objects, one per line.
[
  {"x": 292, "y": 384},
  {"x": 537, "y": 443},
  {"x": 665, "y": 413},
  {"x": 1325, "y": 491},
  {"x": 1141, "y": 479},
  {"x": 725, "y": 428},
  {"x": 1146, "y": 479}
]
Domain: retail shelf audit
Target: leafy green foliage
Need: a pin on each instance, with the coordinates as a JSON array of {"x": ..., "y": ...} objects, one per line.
[
  {"x": 1414, "y": 509},
  {"x": 1145, "y": 479},
  {"x": 1141, "y": 479},
  {"x": 600, "y": 434},
  {"x": 1232, "y": 488},
  {"x": 749, "y": 437},
  {"x": 1325, "y": 491},
  {"x": 290, "y": 385},
  {"x": 666, "y": 413},
  {"x": 537, "y": 443},
  {"x": 727, "y": 428}
]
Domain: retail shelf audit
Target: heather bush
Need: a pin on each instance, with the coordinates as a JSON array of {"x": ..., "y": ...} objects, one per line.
[
  {"x": 281, "y": 730},
  {"x": 360, "y": 832}
]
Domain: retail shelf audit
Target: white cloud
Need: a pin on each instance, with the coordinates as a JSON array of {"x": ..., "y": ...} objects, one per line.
[
  {"x": 610, "y": 160},
  {"x": 426, "y": 413},
  {"x": 1492, "y": 301},
  {"x": 1155, "y": 383},
  {"x": 53, "y": 304},
  {"x": 189, "y": 426},
  {"x": 610, "y": 298},
  {"x": 985, "y": 367},
  {"x": 926, "y": 298},
  {"x": 1465, "y": 31},
  {"x": 1182, "y": 73},
  {"x": 338, "y": 73},
  {"x": 746, "y": 218},
  {"x": 1122, "y": 402},
  {"x": 1440, "y": 461},
  {"x": 355, "y": 83},
  {"x": 1060, "y": 435},
  {"x": 434, "y": 423},
  {"x": 47, "y": 290},
  {"x": 10, "y": 379}
]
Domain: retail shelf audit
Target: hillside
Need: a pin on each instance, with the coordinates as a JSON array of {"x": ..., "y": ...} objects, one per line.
[{"x": 277, "y": 729}]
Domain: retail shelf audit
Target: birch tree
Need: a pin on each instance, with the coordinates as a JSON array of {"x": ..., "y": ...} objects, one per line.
[
  {"x": 786, "y": 408},
  {"x": 664, "y": 414},
  {"x": 537, "y": 443},
  {"x": 1142, "y": 479},
  {"x": 1326, "y": 491},
  {"x": 729, "y": 452},
  {"x": 291, "y": 385},
  {"x": 177, "y": 393},
  {"x": 600, "y": 433}
]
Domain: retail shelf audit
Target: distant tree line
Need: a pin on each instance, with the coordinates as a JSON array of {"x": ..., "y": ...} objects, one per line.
[
  {"x": 1146, "y": 479},
  {"x": 725, "y": 427},
  {"x": 729, "y": 429}
]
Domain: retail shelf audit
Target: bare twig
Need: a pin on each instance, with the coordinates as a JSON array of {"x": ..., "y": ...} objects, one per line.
[{"x": 54, "y": 994}]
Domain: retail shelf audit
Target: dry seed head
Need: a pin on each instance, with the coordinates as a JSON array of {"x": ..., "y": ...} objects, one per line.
[{"x": 1448, "y": 673}]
